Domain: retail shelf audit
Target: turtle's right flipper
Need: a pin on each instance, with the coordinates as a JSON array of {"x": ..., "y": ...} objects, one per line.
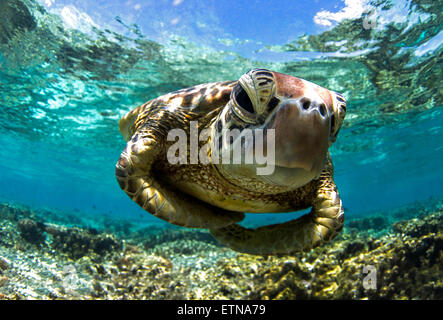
[{"x": 133, "y": 172}]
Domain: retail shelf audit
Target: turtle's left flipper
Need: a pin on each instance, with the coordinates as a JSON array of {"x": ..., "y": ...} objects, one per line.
[{"x": 321, "y": 225}]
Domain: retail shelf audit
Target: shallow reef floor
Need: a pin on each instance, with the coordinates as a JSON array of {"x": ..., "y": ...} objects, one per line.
[{"x": 48, "y": 256}]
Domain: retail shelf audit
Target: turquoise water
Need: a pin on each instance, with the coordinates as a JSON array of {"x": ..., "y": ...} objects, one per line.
[{"x": 70, "y": 69}]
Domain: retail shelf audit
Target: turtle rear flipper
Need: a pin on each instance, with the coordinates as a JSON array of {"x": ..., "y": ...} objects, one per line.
[
  {"x": 133, "y": 172},
  {"x": 309, "y": 231}
]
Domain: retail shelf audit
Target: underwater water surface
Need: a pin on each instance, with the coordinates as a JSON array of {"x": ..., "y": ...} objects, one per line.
[{"x": 70, "y": 69}]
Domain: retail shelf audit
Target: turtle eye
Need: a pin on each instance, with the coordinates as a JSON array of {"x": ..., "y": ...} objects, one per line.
[{"x": 242, "y": 99}]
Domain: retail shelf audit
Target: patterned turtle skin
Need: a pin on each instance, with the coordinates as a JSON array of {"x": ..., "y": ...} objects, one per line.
[{"x": 306, "y": 119}]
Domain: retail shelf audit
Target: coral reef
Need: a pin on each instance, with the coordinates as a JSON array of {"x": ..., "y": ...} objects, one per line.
[{"x": 376, "y": 257}]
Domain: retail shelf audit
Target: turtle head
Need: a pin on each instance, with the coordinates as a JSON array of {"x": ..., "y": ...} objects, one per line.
[{"x": 298, "y": 121}]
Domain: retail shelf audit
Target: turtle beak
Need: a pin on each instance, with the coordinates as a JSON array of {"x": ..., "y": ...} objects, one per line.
[{"x": 302, "y": 128}]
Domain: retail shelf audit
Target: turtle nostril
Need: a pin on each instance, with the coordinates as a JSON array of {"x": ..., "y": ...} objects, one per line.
[
  {"x": 306, "y": 104},
  {"x": 322, "y": 109}
]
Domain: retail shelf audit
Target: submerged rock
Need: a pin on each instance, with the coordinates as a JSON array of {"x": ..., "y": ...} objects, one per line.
[
  {"x": 4, "y": 264},
  {"x": 3, "y": 281},
  {"x": 32, "y": 231},
  {"x": 76, "y": 242}
]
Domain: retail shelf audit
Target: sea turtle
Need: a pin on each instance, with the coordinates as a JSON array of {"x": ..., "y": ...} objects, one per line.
[{"x": 305, "y": 120}]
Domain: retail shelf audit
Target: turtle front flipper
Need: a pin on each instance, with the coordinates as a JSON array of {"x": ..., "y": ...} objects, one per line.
[
  {"x": 321, "y": 225},
  {"x": 134, "y": 175}
]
